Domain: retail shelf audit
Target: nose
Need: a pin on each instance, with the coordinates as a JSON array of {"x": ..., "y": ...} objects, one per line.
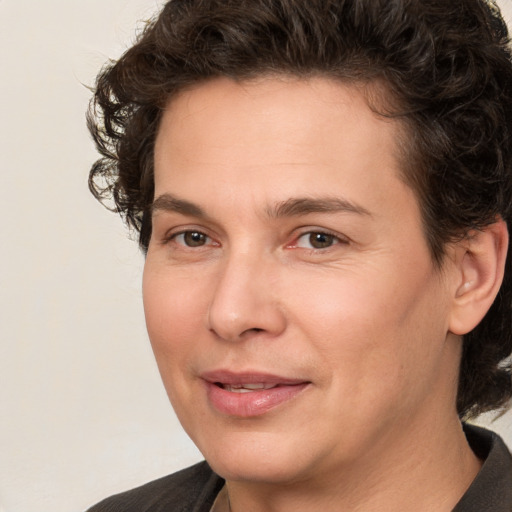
[{"x": 245, "y": 300}]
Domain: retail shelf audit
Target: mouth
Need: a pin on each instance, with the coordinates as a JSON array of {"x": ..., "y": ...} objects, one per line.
[
  {"x": 250, "y": 394},
  {"x": 245, "y": 388}
]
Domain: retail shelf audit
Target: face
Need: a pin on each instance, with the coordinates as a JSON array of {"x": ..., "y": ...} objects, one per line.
[{"x": 297, "y": 319}]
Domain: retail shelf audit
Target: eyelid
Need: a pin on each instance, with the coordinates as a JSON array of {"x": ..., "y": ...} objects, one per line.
[
  {"x": 340, "y": 239},
  {"x": 173, "y": 233}
]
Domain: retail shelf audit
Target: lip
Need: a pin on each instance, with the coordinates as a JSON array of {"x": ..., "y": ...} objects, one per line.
[{"x": 253, "y": 403}]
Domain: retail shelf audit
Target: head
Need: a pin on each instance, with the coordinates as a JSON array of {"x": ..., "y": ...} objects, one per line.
[{"x": 440, "y": 70}]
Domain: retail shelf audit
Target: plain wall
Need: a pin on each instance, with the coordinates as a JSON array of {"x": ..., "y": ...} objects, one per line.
[{"x": 82, "y": 411}]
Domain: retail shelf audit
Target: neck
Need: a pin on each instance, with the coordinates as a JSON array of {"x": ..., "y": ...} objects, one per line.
[{"x": 400, "y": 474}]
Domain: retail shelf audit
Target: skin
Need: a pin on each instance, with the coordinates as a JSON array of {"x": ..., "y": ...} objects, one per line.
[{"x": 236, "y": 280}]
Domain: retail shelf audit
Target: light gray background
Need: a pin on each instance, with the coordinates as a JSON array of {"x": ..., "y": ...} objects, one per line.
[{"x": 82, "y": 410}]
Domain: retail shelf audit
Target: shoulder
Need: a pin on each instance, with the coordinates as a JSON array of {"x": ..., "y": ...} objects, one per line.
[{"x": 190, "y": 490}]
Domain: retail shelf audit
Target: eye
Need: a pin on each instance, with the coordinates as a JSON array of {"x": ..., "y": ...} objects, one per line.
[
  {"x": 191, "y": 238},
  {"x": 316, "y": 240}
]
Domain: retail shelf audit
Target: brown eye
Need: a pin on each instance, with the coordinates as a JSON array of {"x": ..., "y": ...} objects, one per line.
[
  {"x": 192, "y": 238},
  {"x": 316, "y": 240},
  {"x": 321, "y": 240}
]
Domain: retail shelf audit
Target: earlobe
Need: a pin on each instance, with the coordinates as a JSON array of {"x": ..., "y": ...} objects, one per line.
[{"x": 480, "y": 263}]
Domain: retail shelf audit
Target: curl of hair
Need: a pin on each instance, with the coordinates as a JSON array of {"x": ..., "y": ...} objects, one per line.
[{"x": 447, "y": 71}]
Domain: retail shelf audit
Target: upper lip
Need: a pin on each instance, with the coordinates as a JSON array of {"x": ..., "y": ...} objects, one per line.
[{"x": 248, "y": 377}]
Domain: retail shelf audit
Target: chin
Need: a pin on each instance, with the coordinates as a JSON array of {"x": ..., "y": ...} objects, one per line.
[
  {"x": 256, "y": 470},
  {"x": 259, "y": 460}
]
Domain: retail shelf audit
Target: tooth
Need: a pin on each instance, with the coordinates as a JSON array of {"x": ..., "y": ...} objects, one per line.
[
  {"x": 254, "y": 386},
  {"x": 236, "y": 389},
  {"x": 247, "y": 388}
]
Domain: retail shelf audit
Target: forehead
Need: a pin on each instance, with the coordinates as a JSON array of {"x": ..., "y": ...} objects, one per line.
[
  {"x": 240, "y": 145},
  {"x": 272, "y": 121}
]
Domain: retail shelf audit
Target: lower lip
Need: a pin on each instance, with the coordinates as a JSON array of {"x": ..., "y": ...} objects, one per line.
[{"x": 253, "y": 403}]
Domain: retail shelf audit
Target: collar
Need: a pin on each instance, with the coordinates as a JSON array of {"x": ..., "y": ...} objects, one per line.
[{"x": 491, "y": 490}]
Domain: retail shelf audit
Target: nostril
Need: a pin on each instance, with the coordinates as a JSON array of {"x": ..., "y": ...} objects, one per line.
[{"x": 253, "y": 330}]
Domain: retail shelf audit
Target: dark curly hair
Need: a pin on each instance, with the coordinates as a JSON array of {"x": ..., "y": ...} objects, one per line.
[{"x": 447, "y": 71}]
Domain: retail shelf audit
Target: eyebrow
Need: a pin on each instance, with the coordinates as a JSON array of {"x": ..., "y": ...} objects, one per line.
[
  {"x": 169, "y": 203},
  {"x": 292, "y": 207},
  {"x": 303, "y": 205}
]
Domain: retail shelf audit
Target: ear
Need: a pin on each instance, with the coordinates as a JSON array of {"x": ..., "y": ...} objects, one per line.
[{"x": 480, "y": 261}]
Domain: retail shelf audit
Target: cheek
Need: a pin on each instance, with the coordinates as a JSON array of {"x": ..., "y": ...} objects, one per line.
[
  {"x": 345, "y": 311},
  {"x": 346, "y": 323},
  {"x": 174, "y": 310},
  {"x": 374, "y": 331}
]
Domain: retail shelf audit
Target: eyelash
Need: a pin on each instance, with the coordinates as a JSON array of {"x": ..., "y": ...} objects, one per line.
[
  {"x": 174, "y": 236},
  {"x": 332, "y": 239}
]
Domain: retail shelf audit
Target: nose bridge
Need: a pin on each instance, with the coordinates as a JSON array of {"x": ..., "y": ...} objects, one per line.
[{"x": 244, "y": 300}]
